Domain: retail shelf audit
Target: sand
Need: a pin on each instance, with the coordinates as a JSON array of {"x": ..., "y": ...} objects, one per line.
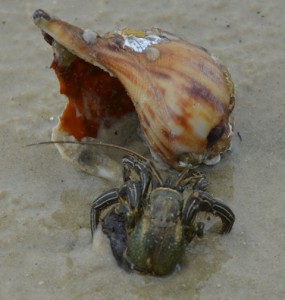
[{"x": 45, "y": 244}]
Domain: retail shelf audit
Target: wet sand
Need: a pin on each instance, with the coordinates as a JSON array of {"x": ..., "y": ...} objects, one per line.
[{"x": 45, "y": 242}]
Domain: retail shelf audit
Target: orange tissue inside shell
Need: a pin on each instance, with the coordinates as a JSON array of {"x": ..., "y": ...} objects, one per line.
[{"x": 95, "y": 98}]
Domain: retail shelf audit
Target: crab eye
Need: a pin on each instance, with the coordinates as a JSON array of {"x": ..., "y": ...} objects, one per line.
[{"x": 215, "y": 134}]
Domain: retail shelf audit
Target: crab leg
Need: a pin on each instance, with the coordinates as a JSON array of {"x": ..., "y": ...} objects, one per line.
[
  {"x": 145, "y": 170},
  {"x": 196, "y": 179},
  {"x": 106, "y": 199},
  {"x": 201, "y": 182},
  {"x": 130, "y": 163},
  {"x": 204, "y": 202},
  {"x": 132, "y": 191}
]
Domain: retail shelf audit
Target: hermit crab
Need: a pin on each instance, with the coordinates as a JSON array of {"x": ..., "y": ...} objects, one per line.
[
  {"x": 149, "y": 221},
  {"x": 182, "y": 96}
]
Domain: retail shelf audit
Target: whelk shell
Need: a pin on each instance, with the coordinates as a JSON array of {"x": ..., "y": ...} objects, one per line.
[{"x": 183, "y": 97}]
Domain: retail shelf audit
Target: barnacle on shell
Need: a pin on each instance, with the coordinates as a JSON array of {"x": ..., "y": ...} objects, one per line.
[{"x": 183, "y": 97}]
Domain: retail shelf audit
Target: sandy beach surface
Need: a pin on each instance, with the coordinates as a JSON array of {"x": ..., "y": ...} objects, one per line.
[{"x": 45, "y": 242}]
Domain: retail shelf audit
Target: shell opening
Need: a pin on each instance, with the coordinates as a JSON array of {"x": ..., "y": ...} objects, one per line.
[
  {"x": 96, "y": 99},
  {"x": 215, "y": 134}
]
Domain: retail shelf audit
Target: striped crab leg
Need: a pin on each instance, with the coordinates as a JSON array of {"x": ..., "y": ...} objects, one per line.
[{"x": 201, "y": 201}]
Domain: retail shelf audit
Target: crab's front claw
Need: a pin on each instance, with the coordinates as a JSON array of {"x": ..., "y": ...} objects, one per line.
[{"x": 114, "y": 226}]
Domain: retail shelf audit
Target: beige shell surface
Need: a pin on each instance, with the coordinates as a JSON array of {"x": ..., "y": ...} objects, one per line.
[{"x": 183, "y": 97}]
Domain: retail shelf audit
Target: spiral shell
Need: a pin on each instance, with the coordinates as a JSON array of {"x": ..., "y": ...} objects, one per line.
[{"x": 183, "y": 97}]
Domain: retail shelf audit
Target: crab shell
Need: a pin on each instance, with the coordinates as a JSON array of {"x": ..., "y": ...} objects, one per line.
[{"x": 183, "y": 97}]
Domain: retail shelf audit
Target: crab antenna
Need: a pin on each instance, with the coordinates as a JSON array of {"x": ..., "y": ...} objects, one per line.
[
  {"x": 97, "y": 144},
  {"x": 155, "y": 172}
]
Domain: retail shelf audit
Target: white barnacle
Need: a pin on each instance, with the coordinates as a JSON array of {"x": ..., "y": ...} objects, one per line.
[
  {"x": 89, "y": 36},
  {"x": 140, "y": 44},
  {"x": 152, "y": 53}
]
